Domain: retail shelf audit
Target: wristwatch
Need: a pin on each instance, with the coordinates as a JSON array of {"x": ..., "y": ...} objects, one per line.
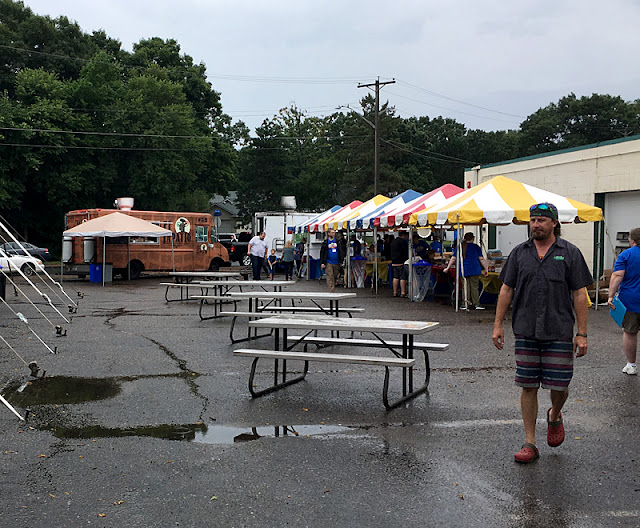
[{"x": 581, "y": 335}]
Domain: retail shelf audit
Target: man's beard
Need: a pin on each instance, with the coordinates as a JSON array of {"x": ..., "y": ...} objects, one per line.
[{"x": 541, "y": 234}]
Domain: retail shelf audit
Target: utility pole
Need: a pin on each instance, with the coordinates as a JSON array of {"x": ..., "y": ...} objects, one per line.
[{"x": 376, "y": 129}]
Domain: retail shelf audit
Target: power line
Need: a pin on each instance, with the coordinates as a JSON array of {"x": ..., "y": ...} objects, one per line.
[
  {"x": 459, "y": 101},
  {"x": 410, "y": 150},
  {"x": 450, "y": 109},
  {"x": 161, "y": 136}
]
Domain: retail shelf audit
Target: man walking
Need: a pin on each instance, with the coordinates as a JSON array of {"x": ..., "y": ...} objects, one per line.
[
  {"x": 257, "y": 250},
  {"x": 625, "y": 279},
  {"x": 399, "y": 255},
  {"x": 331, "y": 255},
  {"x": 545, "y": 279},
  {"x": 298, "y": 255}
]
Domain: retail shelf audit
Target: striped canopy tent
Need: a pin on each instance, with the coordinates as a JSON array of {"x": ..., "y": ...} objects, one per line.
[
  {"x": 319, "y": 225},
  {"x": 401, "y": 215},
  {"x": 341, "y": 220},
  {"x": 502, "y": 201},
  {"x": 304, "y": 227},
  {"x": 397, "y": 202}
]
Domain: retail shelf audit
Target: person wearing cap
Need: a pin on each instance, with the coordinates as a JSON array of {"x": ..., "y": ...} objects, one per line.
[
  {"x": 544, "y": 280},
  {"x": 625, "y": 281},
  {"x": 473, "y": 265}
]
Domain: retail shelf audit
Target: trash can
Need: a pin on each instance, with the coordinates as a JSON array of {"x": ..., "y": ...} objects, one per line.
[
  {"x": 421, "y": 280},
  {"x": 315, "y": 271},
  {"x": 358, "y": 265},
  {"x": 95, "y": 272}
]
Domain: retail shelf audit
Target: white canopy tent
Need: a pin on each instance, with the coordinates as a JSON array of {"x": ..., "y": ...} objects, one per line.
[{"x": 116, "y": 225}]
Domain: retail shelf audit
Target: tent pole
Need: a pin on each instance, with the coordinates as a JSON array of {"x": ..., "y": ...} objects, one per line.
[
  {"x": 375, "y": 257},
  {"x": 348, "y": 281},
  {"x": 458, "y": 264},
  {"x": 410, "y": 251},
  {"x": 129, "y": 257},
  {"x": 104, "y": 256},
  {"x": 10, "y": 407}
]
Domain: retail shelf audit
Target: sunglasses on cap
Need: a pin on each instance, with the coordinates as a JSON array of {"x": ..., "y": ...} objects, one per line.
[{"x": 543, "y": 209}]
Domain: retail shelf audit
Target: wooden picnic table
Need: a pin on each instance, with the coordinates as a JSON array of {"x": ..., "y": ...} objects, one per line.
[{"x": 402, "y": 351}]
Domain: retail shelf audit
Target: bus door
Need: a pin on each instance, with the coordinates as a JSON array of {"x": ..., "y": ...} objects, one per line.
[{"x": 203, "y": 246}]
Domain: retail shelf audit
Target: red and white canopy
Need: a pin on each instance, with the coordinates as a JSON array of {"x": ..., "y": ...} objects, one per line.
[{"x": 402, "y": 215}]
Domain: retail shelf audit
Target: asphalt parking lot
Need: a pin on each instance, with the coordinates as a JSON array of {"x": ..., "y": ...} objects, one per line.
[{"x": 144, "y": 419}]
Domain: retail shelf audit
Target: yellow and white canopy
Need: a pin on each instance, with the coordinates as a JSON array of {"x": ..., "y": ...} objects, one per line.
[{"x": 502, "y": 201}]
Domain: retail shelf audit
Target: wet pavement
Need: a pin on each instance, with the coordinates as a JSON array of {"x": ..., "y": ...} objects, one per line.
[{"x": 144, "y": 419}]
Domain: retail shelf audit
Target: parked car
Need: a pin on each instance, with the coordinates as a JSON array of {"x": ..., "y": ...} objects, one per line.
[
  {"x": 28, "y": 265},
  {"x": 13, "y": 248},
  {"x": 237, "y": 245}
]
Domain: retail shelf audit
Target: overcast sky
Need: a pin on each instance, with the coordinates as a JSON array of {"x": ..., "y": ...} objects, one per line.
[{"x": 487, "y": 64}]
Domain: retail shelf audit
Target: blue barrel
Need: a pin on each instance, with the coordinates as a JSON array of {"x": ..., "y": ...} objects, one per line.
[{"x": 95, "y": 272}]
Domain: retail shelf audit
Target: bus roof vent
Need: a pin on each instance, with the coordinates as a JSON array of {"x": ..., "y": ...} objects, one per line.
[
  {"x": 288, "y": 203},
  {"x": 124, "y": 204}
]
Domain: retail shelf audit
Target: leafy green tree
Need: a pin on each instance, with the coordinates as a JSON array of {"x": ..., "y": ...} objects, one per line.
[{"x": 573, "y": 122}]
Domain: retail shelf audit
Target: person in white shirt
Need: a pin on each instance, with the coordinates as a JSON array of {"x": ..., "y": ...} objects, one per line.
[{"x": 257, "y": 250}]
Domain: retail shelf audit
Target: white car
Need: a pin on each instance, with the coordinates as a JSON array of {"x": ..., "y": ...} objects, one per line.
[{"x": 28, "y": 265}]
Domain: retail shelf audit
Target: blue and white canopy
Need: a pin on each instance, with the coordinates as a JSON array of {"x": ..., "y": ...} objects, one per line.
[{"x": 367, "y": 221}]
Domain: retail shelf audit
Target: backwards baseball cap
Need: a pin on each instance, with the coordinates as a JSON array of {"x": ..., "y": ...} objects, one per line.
[{"x": 544, "y": 209}]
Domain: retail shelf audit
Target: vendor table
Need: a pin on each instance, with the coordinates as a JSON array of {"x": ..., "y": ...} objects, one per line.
[{"x": 383, "y": 269}]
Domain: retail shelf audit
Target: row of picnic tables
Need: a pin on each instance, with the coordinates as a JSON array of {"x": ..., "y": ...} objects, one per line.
[{"x": 315, "y": 319}]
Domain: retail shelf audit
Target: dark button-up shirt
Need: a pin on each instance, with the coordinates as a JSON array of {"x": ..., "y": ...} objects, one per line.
[{"x": 543, "y": 289}]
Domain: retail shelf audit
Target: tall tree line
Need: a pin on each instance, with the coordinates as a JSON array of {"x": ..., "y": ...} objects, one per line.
[{"x": 83, "y": 121}]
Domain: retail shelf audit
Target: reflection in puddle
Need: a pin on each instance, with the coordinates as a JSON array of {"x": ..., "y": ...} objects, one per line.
[
  {"x": 166, "y": 431},
  {"x": 220, "y": 434},
  {"x": 197, "y": 432}
]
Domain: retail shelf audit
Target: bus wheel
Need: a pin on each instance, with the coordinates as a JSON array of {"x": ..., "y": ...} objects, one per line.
[
  {"x": 134, "y": 269},
  {"x": 246, "y": 260},
  {"x": 214, "y": 266}
]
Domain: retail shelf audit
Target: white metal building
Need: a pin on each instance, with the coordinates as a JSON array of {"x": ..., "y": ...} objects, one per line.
[{"x": 604, "y": 174}]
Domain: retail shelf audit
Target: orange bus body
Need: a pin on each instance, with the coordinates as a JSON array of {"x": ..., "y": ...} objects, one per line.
[{"x": 192, "y": 247}]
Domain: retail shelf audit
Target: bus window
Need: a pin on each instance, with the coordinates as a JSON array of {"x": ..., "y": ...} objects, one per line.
[
  {"x": 202, "y": 234},
  {"x": 145, "y": 240}
]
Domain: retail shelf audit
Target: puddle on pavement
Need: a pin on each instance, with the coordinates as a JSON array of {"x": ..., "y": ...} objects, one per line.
[
  {"x": 198, "y": 432},
  {"x": 67, "y": 389},
  {"x": 61, "y": 389}
]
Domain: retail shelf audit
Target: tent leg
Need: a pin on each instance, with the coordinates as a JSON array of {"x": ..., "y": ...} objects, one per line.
[
  {"x": 104, "y": 256},
  {"x": 410, "y": 250}
]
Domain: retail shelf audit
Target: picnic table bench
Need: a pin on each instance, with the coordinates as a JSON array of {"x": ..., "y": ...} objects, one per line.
[{"x": 402, "y": 351}]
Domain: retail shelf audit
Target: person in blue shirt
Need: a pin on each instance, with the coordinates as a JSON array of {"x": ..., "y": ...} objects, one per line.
[
  {"x": 272, "y": 260},
  {"x": 436, "y": 245},
  {"x": 332, "y": 253},
  {"x": 473, "y": 266},
  {"x": 625, "y": 280}
]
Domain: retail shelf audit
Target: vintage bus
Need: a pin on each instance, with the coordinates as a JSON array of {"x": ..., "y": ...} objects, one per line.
[{"x": 193, "y": 246}]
